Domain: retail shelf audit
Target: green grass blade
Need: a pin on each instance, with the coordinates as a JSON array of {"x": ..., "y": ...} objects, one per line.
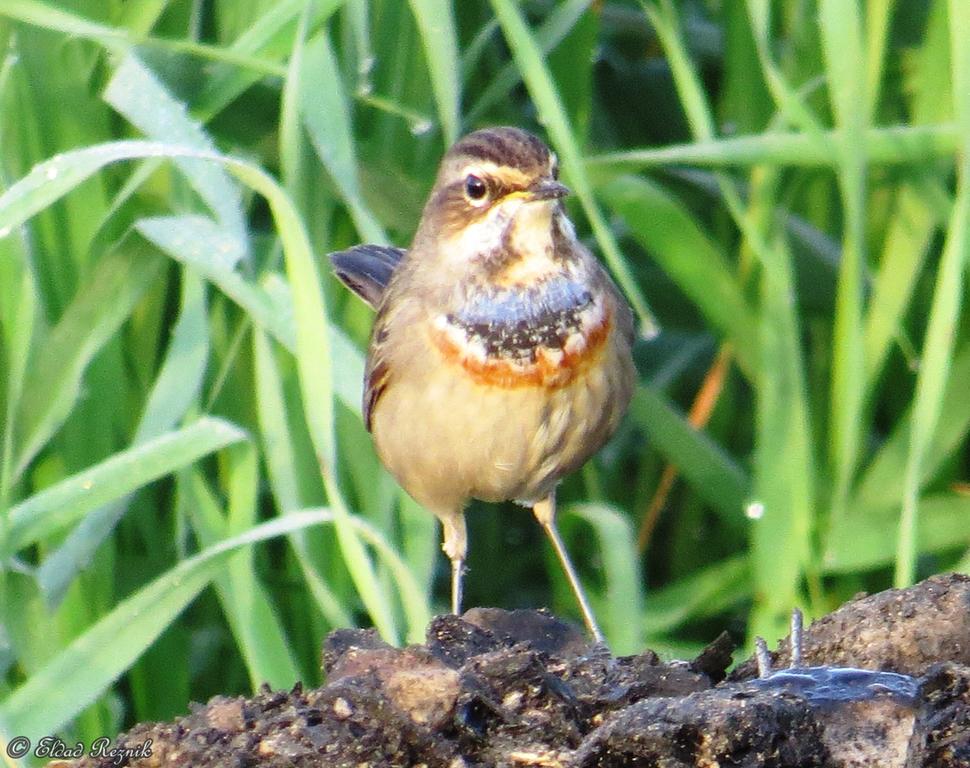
[
  {"x": 845, "y": 52},
  {"x": 789, "y": 101},
  {"x": 358, "y": 17},
  {"x": 326, "y": 114},
  {"x": 842, "y": 41},
  {"x": 76, "y": 676},
  {"x": 119, "y": 40},
  {"x": 908, "y": 240},
  {"x": 436, "y": 26},
  {"x": 198, "y": 242},
  {"x": 293, "y": 165},
  {"x": 270, "y": 35},
  {"x": 745, "y": 103},
  {"x": 18, "y": 324},
  {"x": 940, "y": 337},
  {"x": 50, "y": 180},
  {"x": 348, "y": 361},
  {"x": 932, "y": 74},
  {"x": 277, "y": 441},
  {"x": 666, "y": 22},
  {"x": 528, "y": 58},
  {"x": 881, "y": 484},
  {"x": 175, "y": 389},
  {"x": 912, "y": 225},
  {"x": 560, "y": 21},
  {"x": 884, "y": 146},
  {"x": 878, "y": 21},
  {"x": 51, "y": 509},
  {"x": 784, "y": 478},
  {"x": 314, "y": 364},
  {"x": 53, "y": 382},
  {"x": 56, "y": 19},
  {"x": 419, "y": 538},
  {"x": 867, "y": 538},
  {"x": 623, "y": 593},
  {"x": 181, "y": 376},
  {"x": 668, "y": 232},
  {"x": 707, "y": 592},
  {"x": 135, "y": 92},
  {"x": 663, "y": 15},
  {"x": 413, "y": 597},
  {"x": 141, "y": 17},
  {"x": 281, "y": 463},
  {"x": 255, "y": 626},
  {"x": 709, "y": 470}
]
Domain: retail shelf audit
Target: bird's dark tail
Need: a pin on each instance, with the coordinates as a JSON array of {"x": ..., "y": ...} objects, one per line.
[{"x": 367, "y": 269}]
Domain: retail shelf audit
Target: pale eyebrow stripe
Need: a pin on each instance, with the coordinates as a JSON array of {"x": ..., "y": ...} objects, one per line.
[{"x": 502, "y": 173}]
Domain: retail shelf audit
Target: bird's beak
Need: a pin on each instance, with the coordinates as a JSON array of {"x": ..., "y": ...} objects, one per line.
[{"x": 548, "y": 190}]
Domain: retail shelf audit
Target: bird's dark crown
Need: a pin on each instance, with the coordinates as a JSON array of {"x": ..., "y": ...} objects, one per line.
[{"x": 504, "y": 147}]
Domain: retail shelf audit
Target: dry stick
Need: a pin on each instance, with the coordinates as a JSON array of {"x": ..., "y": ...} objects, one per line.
[
  {"x": 699, "y": 416},
  {"x": 762, "y": 656}
]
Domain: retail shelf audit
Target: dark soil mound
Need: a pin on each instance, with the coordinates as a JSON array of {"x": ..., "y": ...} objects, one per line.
[{"x": 885, "y": 682}]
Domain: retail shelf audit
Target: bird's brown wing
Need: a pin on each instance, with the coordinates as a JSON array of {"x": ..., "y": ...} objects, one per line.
[
  {"x": 623, "y": 317},
  {"x": 367, "y": 269},
  {"x": 377, "y": 371}
]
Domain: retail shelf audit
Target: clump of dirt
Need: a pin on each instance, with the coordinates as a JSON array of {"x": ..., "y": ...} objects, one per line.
[
  {"x": 899, "y": 630},
  {"x": 885, "y": 681}
]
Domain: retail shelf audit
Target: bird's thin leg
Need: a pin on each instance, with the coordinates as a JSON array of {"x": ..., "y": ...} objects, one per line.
[
  {"x": 455, "y": 546},
  {"x": 545, "y": 512},
  {"x": 457, "y": 567}
]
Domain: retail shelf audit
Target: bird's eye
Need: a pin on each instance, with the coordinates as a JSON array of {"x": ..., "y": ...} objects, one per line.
[{"x": 475, "y": 188}]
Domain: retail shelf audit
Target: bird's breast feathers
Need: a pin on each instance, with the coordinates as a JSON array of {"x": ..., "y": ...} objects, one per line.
[{"x": 544, "y": 335}]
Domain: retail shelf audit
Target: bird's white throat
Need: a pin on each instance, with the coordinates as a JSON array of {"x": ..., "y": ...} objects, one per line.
[{"x": 516, "y": 226}]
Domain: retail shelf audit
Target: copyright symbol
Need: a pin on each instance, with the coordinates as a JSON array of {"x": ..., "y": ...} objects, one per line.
[{"x": 18, "y": 746}]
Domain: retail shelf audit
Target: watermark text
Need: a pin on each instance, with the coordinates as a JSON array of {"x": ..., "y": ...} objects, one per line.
[{"x": 54, "y": 748}]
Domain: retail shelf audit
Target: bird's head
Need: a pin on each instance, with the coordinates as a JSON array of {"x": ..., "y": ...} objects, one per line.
[{"x": 495, "y": 203}]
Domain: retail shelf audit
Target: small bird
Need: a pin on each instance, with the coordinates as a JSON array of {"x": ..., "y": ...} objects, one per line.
[{"x": 500, "y": 357}]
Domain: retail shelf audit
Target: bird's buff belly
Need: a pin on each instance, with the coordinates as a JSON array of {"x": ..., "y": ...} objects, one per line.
[{"x": 460, "y": 425}]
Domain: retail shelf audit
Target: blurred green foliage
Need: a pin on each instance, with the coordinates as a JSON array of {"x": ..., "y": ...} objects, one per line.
[{"x": 780, "y": 188}]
